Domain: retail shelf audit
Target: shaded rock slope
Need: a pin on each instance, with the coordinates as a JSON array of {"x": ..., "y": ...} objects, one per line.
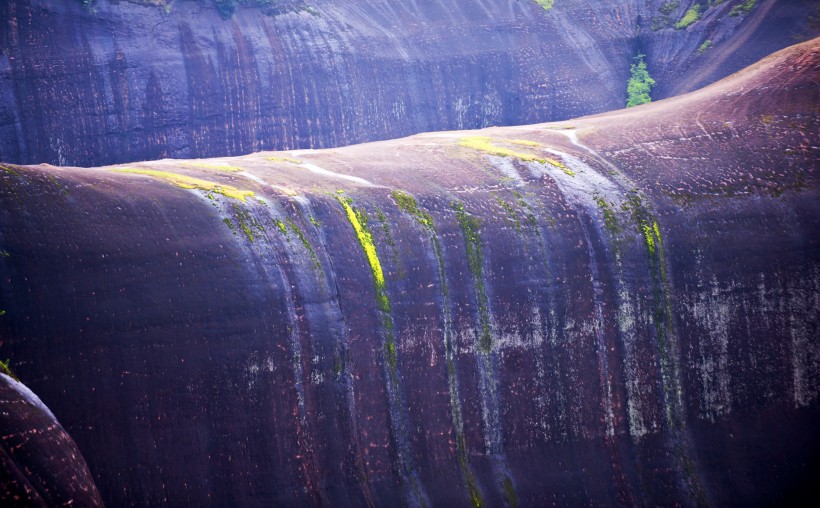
[
  {"x": 126, "y": 81},
  {"x": 617, "y": 310},
  {"x": 39, "y": 463}
]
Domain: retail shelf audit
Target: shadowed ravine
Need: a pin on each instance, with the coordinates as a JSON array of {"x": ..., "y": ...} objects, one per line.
[{"x": 617, "y": 310}]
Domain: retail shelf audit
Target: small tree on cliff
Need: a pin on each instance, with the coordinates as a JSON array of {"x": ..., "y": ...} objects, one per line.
[{"x": 639, "y": 85}]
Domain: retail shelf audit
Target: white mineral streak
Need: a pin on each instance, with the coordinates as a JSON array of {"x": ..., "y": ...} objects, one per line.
[
  {"x": 505, "y": 166},
  {"x": 803, "y": 300},
  {"x": 713, "y": 309},
  {"x": 580, "y": 190},
  {"x": 313, "y": 168}
]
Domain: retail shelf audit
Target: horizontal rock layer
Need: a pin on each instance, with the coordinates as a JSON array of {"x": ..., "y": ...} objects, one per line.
[
  {"x": 617, "y": 310},
  {"x": 125, "y": 82}
]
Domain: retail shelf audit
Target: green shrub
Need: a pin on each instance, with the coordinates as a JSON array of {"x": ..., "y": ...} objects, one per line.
[
  {"x": 743, "y": 9},
  {"x": 706, "y": 45},
  {"x": 546, "y": 4},
  {"x": 691, "y": 16},
  {"x": 639, "y": 85}
]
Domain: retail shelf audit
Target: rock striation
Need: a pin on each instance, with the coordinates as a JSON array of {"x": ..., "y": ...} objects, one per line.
[
  {"x": 617, "y": 310},
  {"x": 128, "y": 81}
]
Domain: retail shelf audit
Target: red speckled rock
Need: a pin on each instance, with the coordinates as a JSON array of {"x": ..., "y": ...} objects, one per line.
[
  {"x": 617, "y": 310},
  {"x": 39, "y": 463}
]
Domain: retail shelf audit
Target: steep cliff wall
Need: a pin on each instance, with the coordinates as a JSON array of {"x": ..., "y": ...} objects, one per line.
[
  {"x": 620, "y": 310},
  {"x": 128, "y": 82}
]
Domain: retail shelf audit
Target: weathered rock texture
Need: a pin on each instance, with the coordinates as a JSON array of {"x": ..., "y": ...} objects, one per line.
[
  {"x": 131, "y": 82},
  {"x": 452, "y": 319},
  {"x": 39, "y": 463}
]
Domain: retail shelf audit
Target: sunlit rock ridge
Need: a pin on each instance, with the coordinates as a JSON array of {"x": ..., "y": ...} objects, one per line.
[
  {"x": 147, "y": 79},
  {"x": 617, "y": 310}
]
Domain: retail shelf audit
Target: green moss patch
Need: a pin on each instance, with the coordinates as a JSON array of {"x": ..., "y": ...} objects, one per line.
[
  {"x": 691, "y": 17},
  {"x": 743, "y": 8},
  {"x": 545, "y": 4},
  {"x": 475, "y": 263}
]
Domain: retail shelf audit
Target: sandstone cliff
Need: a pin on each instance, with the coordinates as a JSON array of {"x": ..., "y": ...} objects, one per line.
[
  {"x": 618, "y": 310},
  {"x": 125, "y": 81}
]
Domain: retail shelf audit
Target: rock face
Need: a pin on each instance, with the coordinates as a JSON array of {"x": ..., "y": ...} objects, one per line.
[
  {"x": 133, "y": 82},
  {"x": 620, "y": 310},
  {"x": 39, "y": 463}
]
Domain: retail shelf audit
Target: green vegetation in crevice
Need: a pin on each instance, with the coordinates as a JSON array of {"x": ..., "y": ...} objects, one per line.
[
  {"x": 664, "y": 19},
  {"x": 610, "y": 217},
  {"x": 305, "y": 243},
  {"x": 475, "y": 264},
  {"x": 246, "y": 222},
  {"x": 703, "y": 47},
  {"x": 9, "y": 170},
  {"x": 743, "y": 8},
  {"x": 512, "y": 214},
  {"x": 689, "y": 18},
  {"x": 228, "y": 222},
  {"x": 530, "y": 219},
  {"x": 546, "y": 4},
  {"x": 188, "y": 182},
  {"x": 667, "y": 8},
  {"x": 488, "y": 146},
  {"x": 661, "y": 317},
  {"x": 640, "y": 83},
  {"x": 5, "y": 369},
  {"x": 390, "y": 241},
  {"x": 59, "y": 186},
  {"x": 408, "y": 205},
  {"x": 509, "y": 492},
  {"x": 649, "y": 230},
  {"x": 399, "y": 434},
  {"x": 281, "y": 227}
]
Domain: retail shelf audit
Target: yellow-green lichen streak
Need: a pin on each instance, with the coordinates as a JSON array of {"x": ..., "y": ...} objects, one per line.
[
  {"x": 366, "y": 241},
  {"x": 545, "y": 4},
  {"x": 189, "y": 182},
  {"x": 486, "y": 145},
  {"x": 218, "y": 167},
  {"x": 399, "y": 435}
]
